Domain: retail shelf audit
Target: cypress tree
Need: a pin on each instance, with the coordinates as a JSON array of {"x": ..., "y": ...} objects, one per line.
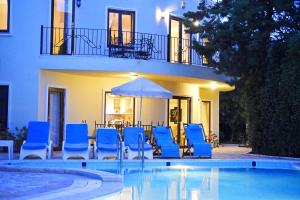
[{"x": 257, "y": 44}]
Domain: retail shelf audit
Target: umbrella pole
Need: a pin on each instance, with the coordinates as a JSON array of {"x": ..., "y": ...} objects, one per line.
[{"x": 141, "y": 103}]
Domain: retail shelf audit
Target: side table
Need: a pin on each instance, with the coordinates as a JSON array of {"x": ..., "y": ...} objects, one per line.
[{"x": 10, "y": 146}]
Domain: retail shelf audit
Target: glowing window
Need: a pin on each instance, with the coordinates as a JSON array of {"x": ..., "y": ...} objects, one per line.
[
  {"x": 4, "y": 15},
  {"x": 119, "y": 110},
  {"x": 204, "y": 58},
  {"x": 121, "y": 26}
]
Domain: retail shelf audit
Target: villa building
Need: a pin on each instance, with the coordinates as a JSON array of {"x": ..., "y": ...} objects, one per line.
[{"x": 59, "y": 60}]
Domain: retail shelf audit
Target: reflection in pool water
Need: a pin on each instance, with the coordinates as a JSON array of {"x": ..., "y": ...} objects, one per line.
[{"x": 209, "y": 184}]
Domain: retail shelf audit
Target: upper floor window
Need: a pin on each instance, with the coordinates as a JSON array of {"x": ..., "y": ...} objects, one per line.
[
  {"x": 4, "y": 15},
  {"x": 121, "y": 26}
]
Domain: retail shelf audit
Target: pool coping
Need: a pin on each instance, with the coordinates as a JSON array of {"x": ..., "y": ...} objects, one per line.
[
  {"x": 99, "y": 183},
  {"x": 86, "y": 164}
]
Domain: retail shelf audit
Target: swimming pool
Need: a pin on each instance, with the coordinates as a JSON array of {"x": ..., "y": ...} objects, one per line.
[
  {"x": 210, "y": 184},
  {"x": 198, "y": 179}
]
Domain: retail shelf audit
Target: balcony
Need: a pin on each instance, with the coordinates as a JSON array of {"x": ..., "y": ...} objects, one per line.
[{"x": 103, "y": 42}]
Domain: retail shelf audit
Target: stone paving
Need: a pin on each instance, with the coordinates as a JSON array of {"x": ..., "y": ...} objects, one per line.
[{"x": 19, "y": 184}]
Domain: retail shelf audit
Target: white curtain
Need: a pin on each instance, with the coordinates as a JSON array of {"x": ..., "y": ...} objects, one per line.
[{"x": 54, "y": 114}]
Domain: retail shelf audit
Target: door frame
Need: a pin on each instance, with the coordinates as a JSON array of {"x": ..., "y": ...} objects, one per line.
[
  {"x": 179, "y": 106},
  {"x": 64, "y": 104},
  {"x": 180, "y": 21},
  {"x": 210, "y": 115},
  {"x": 72, "y": 26},
  {"x": 9, "y": 98}
]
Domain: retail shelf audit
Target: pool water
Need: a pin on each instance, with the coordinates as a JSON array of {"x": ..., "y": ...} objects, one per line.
[{"x": 192, "y": 183}]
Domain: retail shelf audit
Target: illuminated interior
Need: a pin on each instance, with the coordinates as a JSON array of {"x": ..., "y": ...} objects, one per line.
[
  {"x": 120, "y": 33},
  {"x": 180, "y": 44},
  {"x": 126, "y": 28},
  {"x": 179, "y": 113},
  {"x": 119, "y": 109},
  {"x": 62, "y": 18},
  {"x": 3, "y": 15},
  {"x": 174, "y": 41},
  {"x": 185, "y": 45},
  {"x": 204, "y": 59},
  {"x": 114, "y": 27}
]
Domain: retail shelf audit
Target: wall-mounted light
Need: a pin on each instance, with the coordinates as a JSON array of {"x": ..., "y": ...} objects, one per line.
[
  {"x": 182, "y": 4},
  {"x": 133, "y": 76},
  {"x": 78, "y": 3},
  {"x": 163, "y": 14},
  {"x": 196, "y": 23},
  {"x": 213, "y": 85}
]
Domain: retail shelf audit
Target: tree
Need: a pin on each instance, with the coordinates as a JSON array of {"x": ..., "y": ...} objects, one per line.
[
  {"x": 232, "y": 118},
  {"x": 252, "y": 41}
]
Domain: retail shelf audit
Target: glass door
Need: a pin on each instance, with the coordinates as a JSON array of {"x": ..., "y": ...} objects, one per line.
[
  {"x": 62, "y": 37},
  {"x": 56, "y": 113},
  {"x": 179, "y": 42},
  {"x": 121, "y": 27},
  {"x": 206, "y": 117},
  {"x": 179, "y": 114}
]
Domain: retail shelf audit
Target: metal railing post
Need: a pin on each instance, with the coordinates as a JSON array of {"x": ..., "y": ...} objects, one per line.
[
  {"x": 41, "y": 42},
  {"x": 168, "y": 48}
]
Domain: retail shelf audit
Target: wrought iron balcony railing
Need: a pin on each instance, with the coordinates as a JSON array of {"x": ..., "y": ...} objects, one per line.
[{"x": 86, "y": 41}]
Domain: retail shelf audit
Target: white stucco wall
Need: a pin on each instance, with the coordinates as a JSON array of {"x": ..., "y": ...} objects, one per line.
[
  {"x": 21, "y": 62},
  {"x": 213, "y": 97}
]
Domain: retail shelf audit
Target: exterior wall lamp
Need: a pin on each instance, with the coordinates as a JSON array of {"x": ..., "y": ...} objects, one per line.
[
  {"x": 163, "y": 14},
  {"x": 182, "y": 4},
  {"x": 78, "y": 3}
]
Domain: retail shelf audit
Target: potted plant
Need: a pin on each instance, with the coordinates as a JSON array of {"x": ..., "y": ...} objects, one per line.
[{"x": 20, "y": 136}]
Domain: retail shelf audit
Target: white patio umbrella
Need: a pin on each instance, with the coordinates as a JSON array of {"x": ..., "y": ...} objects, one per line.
[{"x": 142, "y": 87}]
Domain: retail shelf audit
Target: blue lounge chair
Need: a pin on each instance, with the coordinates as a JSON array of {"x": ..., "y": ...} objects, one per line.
[
  {"x": 195, "y": 137},
  {"x": 106, "y": 143},
  {"x": 131, "y": 136},
  {"x": 38, "y": 141},
  {"x": 165, "y": 143},
  {"x": 76, "y": 142}
]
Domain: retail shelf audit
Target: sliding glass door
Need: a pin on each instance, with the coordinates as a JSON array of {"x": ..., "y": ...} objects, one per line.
[{"x": 179, "y": 114}]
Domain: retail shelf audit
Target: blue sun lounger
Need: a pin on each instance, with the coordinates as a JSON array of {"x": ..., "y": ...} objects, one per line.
[
  {"x": 76, "y": 142},
  {"x": 131, "y": 137},
  {"x": 195, "y": 137},
  {"x": 38, "y": 141},
  {"x": 165, "y": 143},
  {"x": 106, "y": 143}
]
